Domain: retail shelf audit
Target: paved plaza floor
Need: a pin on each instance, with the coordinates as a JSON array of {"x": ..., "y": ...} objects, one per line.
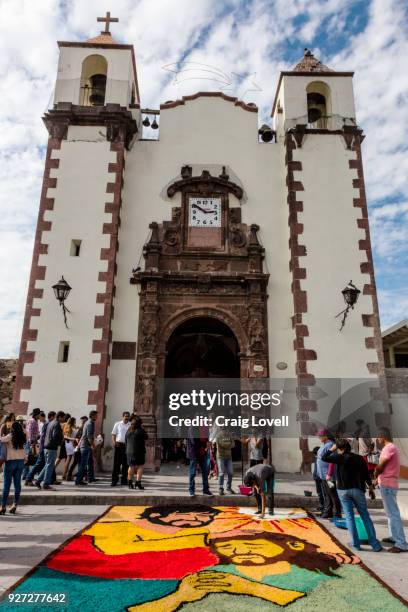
[{"x": 39, "y": 529}]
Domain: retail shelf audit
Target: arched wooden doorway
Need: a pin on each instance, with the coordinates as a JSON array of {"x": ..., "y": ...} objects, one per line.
[{"x": 200, "y": 347}]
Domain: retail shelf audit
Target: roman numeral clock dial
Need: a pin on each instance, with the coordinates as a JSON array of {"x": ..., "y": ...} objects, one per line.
[{"x": 205, "y": 212}]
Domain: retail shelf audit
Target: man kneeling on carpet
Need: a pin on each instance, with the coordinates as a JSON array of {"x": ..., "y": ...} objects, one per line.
[{"x": 261, "y": 478}]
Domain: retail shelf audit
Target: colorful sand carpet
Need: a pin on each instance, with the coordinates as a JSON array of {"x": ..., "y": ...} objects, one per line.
[{"x": 199, "y": 558}]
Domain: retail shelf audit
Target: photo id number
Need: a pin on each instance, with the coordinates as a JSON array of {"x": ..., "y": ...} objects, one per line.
[{"x": 43, "y": 598}]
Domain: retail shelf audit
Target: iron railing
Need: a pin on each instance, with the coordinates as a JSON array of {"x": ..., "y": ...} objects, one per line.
[{"x": 320, "y": 124}]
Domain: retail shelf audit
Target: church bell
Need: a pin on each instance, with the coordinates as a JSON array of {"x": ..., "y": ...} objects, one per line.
[{"x": 98, "y": 88}]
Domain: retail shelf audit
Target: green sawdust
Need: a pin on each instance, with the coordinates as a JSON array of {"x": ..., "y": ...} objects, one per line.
[{"x": 357, "y": 590}]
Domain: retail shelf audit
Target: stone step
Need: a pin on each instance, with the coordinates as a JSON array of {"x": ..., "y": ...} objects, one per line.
[{"x": 142, "y": 498}]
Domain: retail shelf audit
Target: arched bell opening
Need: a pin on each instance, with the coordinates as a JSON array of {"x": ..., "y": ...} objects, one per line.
[
  {"x": 93, "y": 81},
  {"x": 318, "y": 105}
]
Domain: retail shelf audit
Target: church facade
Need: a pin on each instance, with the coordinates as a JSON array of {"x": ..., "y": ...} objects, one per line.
[{"x": 214, "y": 250}]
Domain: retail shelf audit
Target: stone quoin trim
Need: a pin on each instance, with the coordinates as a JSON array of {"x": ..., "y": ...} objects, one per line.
[
  {"x": 29, "y": 333},
  {"x": 103, "y": 322},
  {"x": 369, "y": 320},
  {"x": 297, "y": 267}
]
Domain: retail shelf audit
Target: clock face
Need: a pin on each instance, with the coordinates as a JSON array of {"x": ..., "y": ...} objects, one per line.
[{"x": 204, "y": 212}]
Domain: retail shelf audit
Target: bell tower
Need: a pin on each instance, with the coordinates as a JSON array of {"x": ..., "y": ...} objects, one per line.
[
  {"x": 91, "y": 124},
  {"x": 314, "y": 96},
  {"x": 329, "y": 237},
  {"x": 98, "y": 72}
]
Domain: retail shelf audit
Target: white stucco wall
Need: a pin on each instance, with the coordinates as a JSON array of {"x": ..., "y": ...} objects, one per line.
[
  {"x": 80, "y": 197},
  {"x": 331, "y": 237},
  {"x": 205, "y": 132}
]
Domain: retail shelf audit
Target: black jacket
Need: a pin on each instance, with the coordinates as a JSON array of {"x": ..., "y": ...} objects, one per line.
[
  {"x": 352, "y": 470},
  {"x": 53, "y": 436}
]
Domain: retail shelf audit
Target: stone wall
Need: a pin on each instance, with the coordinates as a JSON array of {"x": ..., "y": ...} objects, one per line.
[{"x": 8, "y": 368}]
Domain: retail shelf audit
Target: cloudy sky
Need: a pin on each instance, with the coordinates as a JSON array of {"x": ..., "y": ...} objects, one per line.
[{"x": 254, "y": 39}]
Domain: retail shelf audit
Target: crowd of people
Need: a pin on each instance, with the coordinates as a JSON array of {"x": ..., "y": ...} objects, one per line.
[
  {"x": 344, "y": 469},
  {"x": 31, "y": 451},
  {"x": 342, "y": 478}
]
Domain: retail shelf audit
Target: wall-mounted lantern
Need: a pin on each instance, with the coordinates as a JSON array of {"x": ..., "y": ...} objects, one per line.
[
  {"x": 350, "y": 295},
  {"x": 62, "y": 291}
]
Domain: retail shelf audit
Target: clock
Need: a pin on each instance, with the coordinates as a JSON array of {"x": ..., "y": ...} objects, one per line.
[{"x": 204, "y": 212}]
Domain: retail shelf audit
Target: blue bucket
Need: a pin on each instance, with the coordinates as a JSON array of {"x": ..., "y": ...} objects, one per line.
[{"x": 361, "y": 530}]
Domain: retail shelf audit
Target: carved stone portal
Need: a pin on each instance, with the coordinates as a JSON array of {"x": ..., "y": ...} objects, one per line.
[{"x": 179, "y": 284}]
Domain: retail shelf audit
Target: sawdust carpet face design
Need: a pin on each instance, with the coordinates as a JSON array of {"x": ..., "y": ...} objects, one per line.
[{"x": 202, "y": 558}]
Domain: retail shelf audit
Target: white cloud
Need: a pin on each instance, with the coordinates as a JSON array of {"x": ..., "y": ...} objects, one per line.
[
  {"x": 378, "y": 56},
  {"x": 233, "y": 35},
  {"x": 395, "y": 304}
]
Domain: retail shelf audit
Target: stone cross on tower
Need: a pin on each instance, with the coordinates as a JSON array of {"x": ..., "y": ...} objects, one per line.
[{"x": 108, "y": 19}]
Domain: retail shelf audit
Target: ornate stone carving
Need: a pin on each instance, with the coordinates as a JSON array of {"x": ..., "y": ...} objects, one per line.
[
  {"x": 242, "y": 314},
  {"x": 145, "y": 395},
  {"x": 176, "y": 215},
  {"x": 237, "y": 236},
  {"x": 235, "y": 215},
  {"x": 299, "y": 132},
  {"x": 205, "y": 184},
  {"x": 119, "y": 122},
  {"x": 212, "y": 266},
  {"x": 115, "y": 132},
  {"x": 172, "y": 237},
  {"x": 352, "y": 135},
  {"x": 224, "y": 176},
  {"x": 257, "y": 327},
  {"x": 256, "y": 336},
  {"x": 225, "y": 283},
  {"x": 58, "y": 129},
  {"x": 186, "y": 172}
]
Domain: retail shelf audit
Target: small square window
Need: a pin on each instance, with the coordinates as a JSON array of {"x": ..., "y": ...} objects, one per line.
[
  {"x": 75, "y": 248},
  {"x": 63, "y": 352}
]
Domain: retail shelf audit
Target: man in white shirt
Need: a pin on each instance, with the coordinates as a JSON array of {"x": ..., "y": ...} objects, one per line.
[{"x": 120, "y": 465}]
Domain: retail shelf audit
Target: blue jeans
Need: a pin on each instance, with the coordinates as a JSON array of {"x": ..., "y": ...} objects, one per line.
[
  {"x": 13, "y": 470},
  {"x": 83, "y": 465},
  {"x": 349, "y": 499},
  {"x": 28, "y": 449},
  {"x": 46, "y": 474},
  {"x": 395, "y": 526},
  {"x": 91, "y": 469},
  {"x": 225, "y": 467},
  {"x": 204, "y": 464},
  {"x": 37, "y": 467}
]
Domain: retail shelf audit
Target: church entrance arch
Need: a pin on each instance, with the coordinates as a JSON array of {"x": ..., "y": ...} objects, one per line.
[{"x": 202, "y": 347}]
